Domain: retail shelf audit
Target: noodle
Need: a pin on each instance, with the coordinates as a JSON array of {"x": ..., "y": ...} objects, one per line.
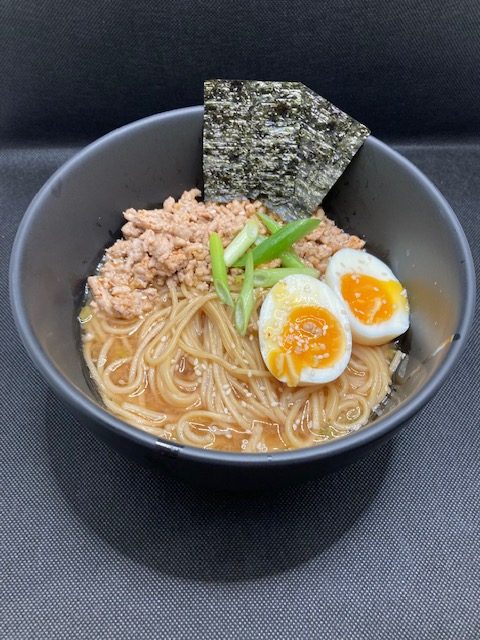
[{"x": 184, "y": 373}]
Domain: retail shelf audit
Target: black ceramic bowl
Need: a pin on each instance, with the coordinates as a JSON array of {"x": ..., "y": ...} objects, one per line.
[{"x": 78, "y": 212}]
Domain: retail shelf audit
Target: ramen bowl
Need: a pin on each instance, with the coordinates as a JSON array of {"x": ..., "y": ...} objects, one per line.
[{"x": 381, "y": 197}]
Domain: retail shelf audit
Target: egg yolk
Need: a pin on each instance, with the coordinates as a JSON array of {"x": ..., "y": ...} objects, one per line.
[
  {"x": 371, "y": 300},
  {"x": 312, "y": 337}
]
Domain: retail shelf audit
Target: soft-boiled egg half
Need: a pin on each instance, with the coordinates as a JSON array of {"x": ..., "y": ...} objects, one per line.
[
  {"x": 376, "y": 301},
  {"x": 304, "y": 333}
]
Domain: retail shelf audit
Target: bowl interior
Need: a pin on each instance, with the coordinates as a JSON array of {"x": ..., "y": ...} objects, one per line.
[{"x": 78, "y": 213}]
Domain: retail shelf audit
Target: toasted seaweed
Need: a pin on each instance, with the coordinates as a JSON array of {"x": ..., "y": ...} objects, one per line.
[
  {"x": 225, "y": 131},
  {"x": 276, "y": 114},
  {"x": 278, "y": 142}
]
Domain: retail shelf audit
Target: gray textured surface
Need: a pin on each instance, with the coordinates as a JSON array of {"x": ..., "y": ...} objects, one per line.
[
  {"x": 72, "y": 70},
  {"x": 93, "y": 546}
]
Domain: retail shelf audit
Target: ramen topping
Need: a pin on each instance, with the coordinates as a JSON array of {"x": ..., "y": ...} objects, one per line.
[{"x": 171, "y": 244}]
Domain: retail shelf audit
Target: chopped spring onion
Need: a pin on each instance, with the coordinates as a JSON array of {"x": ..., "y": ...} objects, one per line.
[
  {"x": 219, "y": 270},
  {"x": 268, "y": 277},
  {"x": 270, "y": 224},
  {"x": 280, "y": 241},
  {"x": 289, "y": 258},
  {"x": 241, "y": 243},
  {"x": 85, "y": 314},
  {"x": 245, "y": 301}
]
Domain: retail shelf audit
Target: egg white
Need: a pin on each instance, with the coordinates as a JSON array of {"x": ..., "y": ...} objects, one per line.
[
  {"x": 347, "y": 261},
  {"x": 298, "y": 291}
]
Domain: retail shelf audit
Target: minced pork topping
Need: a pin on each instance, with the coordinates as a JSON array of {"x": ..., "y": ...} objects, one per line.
[{"x": 170, "y": 246}]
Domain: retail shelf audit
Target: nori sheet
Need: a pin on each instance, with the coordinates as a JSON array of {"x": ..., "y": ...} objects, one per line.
[{"x": 278, "y": 142}]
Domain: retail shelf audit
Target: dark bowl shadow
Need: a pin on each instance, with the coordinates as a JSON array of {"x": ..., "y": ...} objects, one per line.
[{"x": 187, "y": 531}]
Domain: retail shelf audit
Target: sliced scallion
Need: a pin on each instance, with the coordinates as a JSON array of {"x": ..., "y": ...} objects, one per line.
[
  {"x": 246, "y": 298},
  {"x": 268, "y": 277},
  {"x": 289, "y": 258},
  {"x": 270, "y": 224},
  {"x": 219, "y": 270},
  {"x": 241, "y": 243},
  {"x": 85, "y": 314},
  {"x": 280, "y": 241}
]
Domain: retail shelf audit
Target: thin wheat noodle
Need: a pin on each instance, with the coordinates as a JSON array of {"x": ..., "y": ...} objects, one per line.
[
  {"x": 122, "y": 329},
  {"x": 184, "y": 373},
  {"x": 255, "y": 438}
]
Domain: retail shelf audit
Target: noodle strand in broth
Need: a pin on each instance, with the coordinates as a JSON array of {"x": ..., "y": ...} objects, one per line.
[{"x": 184, "y": 373}]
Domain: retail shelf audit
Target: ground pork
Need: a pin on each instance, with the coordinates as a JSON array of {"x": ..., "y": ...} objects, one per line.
[
  {"x": 327, "y": 239},
  {"x": 171, "y": 244}
]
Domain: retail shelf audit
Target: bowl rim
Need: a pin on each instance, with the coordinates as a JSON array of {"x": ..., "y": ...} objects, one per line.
[{"x": 86, "y": 406}]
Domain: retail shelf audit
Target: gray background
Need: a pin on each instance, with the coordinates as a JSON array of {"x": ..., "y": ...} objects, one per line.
[{"x": 94, "y": 546}]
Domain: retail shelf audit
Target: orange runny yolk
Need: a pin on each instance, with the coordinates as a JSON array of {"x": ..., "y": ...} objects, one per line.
[
  {"x": 311, "y": 337},
  {"x": 371, "y": 300}
]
